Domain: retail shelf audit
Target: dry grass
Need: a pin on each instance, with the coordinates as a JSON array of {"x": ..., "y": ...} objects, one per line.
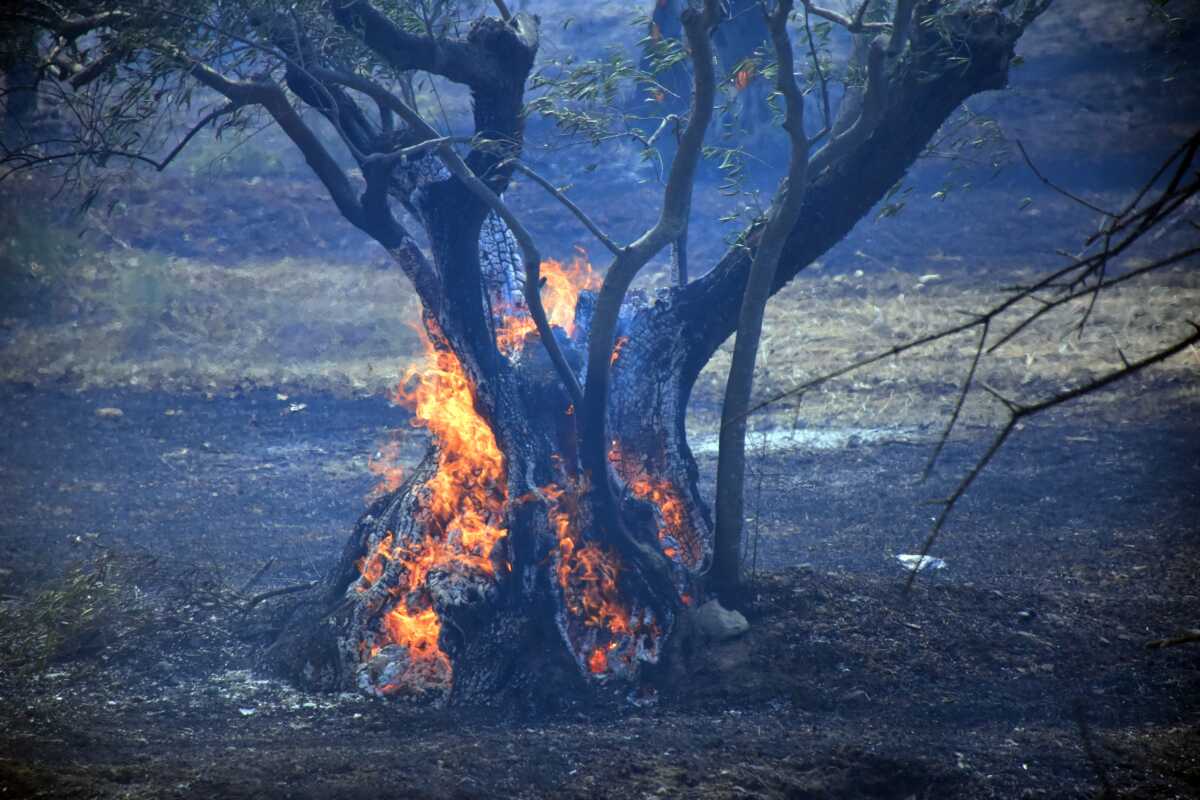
[
  {"x": 136, "y": 319},
  {"x": 131, "y": 318},
  {"x": 821, "y": 323}
]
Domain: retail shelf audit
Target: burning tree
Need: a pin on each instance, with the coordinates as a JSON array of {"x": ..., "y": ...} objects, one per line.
[{"x": 554, "y": 534}]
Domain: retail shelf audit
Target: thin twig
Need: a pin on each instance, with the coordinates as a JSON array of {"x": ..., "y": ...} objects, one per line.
[
  {"x": 1018, "y": 412},
  {"x": 258, "y": 598},
  {"x": 853, "y": 24},
  {"x": 1187, "y": 637},
  {"x": 958, "y": 405},
  {"x": 561, "y": 196},
  {"x": 812, "y": 50},
  {"x": 257, "y": 576},
  {"x": 1056, "y": 187}
]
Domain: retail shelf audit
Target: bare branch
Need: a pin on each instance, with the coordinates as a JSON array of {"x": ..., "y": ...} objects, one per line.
[
  {"x": 592, "y": 416},
  {"x": 1187, "y": 637},
  {"x": 1019, "y": 412},
  {"x": 457, "y": 60},
  {"x": 853, "y": 24},
  {"x": 95, "y": 68},
  {"x": 570, "y": 205},
  {"x": 502, "y": 9},
  {"x": 872, "y": 108},
  {"x": 816, "y": 61},
  {"x": 958, "y": 404},
  {"x": 1049, "y": 305},
  {"x": 532, "y": 260},
  {"x": 228, "y": 108},
  {"x": 1056, "y": 187},
  {"x": 883, "y": 50}
]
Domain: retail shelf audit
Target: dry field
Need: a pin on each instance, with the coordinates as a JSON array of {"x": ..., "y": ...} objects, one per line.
[{"x": 131, "y": 318}]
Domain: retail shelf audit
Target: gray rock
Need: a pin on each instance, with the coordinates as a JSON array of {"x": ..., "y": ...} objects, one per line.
[{"x": 718, "y": 623}]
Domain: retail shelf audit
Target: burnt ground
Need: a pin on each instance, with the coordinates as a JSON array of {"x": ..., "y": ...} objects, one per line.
[{"x": 131, "y": 544}]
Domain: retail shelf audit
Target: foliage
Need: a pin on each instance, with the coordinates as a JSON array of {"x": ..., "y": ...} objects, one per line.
[{"x": 93, "y": 606}]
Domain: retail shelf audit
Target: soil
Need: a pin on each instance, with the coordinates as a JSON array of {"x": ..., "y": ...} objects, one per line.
[{"x": 133, "y": 544}]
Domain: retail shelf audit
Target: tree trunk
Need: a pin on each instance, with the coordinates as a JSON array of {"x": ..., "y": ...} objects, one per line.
[
  {"x": 511, "y": 597},
  {"x": 485, "y": 578},
  {"x": 19, "y": 68}
]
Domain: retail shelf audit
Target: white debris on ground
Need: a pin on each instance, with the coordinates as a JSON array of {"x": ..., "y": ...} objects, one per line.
[
  {"x": 812, "y": 439},
  {"x": 917, "y": 563}
]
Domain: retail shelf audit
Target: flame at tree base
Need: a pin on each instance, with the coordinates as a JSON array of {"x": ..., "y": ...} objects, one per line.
[
  {"x": 445, "y": 548},
  {"x": 458, "y": 519},
  {"x": 606, "y": 633}
]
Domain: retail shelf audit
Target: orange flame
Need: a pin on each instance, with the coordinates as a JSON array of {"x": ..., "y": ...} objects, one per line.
[
  {"x": 371, "y": 565},
  {"x": 419, "y": 632},
  {"x": 561, "y": 285},
  {"x": 466, "y": 496},
  {"x": 587, "y": 574},
  {"x": 743, "y": 77},
  {"x": 675, "y": 530},
  {"x": 463, "y": 507},
  {"x": 385, "y": 467},
  {"x": 617, "y": 348}
]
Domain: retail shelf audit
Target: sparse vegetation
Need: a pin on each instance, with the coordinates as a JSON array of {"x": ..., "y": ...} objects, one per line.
[{"x": 92, "y": 607}]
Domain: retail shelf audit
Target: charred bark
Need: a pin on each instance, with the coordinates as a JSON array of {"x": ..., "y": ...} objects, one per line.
[{"x": 551, "y": 614}]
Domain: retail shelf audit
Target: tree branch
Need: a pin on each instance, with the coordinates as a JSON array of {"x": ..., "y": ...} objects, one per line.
[
  {"x": 782, "y": 217},
  {"x": 570, "y": 205},
  {"x": 1055, "y": 187},
  {"x": 532, "y": 260},
  {"x": 454, "y": 59},
  {"x": 1019, "y": 412},
  {"x": 593, "y": 412},
  {"x": 925, "y": 90},
  {"x": 853, "y": 24}
]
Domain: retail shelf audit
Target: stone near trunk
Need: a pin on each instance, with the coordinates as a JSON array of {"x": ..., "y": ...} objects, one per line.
[{"x": 718, "y": 624}]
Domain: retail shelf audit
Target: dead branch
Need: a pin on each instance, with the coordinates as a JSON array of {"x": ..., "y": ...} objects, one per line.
[
  {"x": 502, "y": 9},
  {"x": 1187, "y": 637},
  {"x": 257, "y": 576},
  {"x": 533, "y": 263},
  {"x": 816, "y": 62},
  {"x": 882, "y": 52},
  {"x": 567, "y": 202},
  {"x": 593, "y": 411},
  {"x": 959, "y": 402},
  {"x": 258, "y": 598},
  {"x": 1055, "y": 187},
  {"x": 854, "y": 24},
  {"x": 460, "y": 61},
  {"x": 1017, "y": 412},
  {"x": 1062, "y": 280}
]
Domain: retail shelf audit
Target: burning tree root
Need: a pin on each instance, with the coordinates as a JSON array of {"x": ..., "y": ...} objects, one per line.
[
  {"x": 413, "y": 610},
  {"x": 492, "y": 574}
]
